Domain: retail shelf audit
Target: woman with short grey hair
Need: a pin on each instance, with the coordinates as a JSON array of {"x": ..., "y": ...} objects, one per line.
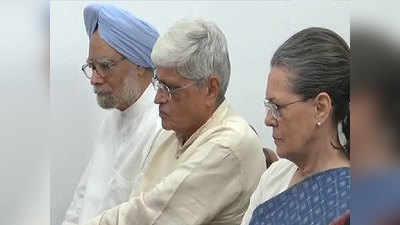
[{"x": 307, "y": 103}]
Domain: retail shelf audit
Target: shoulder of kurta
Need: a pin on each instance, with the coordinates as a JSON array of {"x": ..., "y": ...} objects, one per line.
[
  {"x": 277, "y": 169},
  {"x": 235, "y": 134},
  {"x": 232, "y": 132},
  {"x": 281, "y": 164}
]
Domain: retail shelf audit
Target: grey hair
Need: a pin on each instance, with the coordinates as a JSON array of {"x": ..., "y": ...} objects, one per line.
[
  {"x": 197, "y": 49},
  {"x": 319, "y": 60}
]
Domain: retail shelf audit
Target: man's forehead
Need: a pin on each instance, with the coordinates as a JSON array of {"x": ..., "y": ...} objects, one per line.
[{"x": 169, "y": 74}]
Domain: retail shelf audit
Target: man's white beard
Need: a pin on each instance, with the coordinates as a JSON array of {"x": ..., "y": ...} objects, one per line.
[
  {"x": 106, "y": 101},
  {"x": 130, "y": 93}
]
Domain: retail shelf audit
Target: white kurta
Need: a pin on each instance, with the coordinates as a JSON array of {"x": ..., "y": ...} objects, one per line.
[
  {"x": 274, "y": 181},
  {"x": 207, "y": 180},
  {"x": 116, "y": 166}
]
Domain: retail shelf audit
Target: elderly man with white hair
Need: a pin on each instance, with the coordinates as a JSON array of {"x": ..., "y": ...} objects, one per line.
[
  {"x": 120, "y": 70},
  {"x": 207, "y": 161}
]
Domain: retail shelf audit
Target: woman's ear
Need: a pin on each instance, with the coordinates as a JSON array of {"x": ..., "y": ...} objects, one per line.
[{"x": 323, "y": 107}]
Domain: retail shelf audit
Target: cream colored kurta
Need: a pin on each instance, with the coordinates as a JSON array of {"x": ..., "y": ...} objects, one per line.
[
  {"x": 274, "y": 181},
  {"x": 208, "y": 180},
  {"x": 117, "y": 164}
]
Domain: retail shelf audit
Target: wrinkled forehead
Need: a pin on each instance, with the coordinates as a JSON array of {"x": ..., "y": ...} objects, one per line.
[
  {"x": 170, "y": 75},
  {"x": 278, "y": 83}
]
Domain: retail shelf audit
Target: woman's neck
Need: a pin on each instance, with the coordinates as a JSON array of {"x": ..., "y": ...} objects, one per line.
[{"x": 318, "y": 158}]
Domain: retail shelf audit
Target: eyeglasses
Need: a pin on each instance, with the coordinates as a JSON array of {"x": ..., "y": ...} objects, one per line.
[
  {"x": 274, "y": 108},
  {"x": 102, "y": 66},
  {"x": 164, "y": 89}
]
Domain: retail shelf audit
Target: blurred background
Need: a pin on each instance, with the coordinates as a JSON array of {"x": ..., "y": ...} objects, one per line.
[
  {"x": 24, "y": 113},
  {"x": 374, "y": 112}
]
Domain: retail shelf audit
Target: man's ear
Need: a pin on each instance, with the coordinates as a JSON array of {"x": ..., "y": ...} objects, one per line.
[
  {"x": 213, "y": 85},
  {"x": 323, "y": 107}
]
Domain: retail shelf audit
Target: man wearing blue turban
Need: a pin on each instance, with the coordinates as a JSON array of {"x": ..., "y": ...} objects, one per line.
[
  {"x": 120, "y": 69},
  {"x": 206, "y": 162}
]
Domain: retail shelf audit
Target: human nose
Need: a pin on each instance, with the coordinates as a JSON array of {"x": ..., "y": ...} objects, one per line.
[
  {"x": 96, "y": 78},
  {"x": 161, "y": 97},
  {"x": 270, "y": 120}
]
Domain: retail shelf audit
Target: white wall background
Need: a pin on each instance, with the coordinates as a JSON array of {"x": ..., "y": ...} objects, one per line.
[
  {"x": 254, "y": 30},
  {"x": 23, "y": 113}
]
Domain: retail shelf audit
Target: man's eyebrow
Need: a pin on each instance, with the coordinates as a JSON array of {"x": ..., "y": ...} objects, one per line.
[
  {"x": 166, "y": 82},
  {"x": 104, "y": 59},
  {"x": 100, "y": 58}
]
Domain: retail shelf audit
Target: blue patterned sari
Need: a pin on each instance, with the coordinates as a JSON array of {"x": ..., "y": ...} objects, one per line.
[{"x": 319, "y": 199}]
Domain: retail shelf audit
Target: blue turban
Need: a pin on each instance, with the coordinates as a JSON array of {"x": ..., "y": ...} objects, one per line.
[{"x": 126, "y": 33}]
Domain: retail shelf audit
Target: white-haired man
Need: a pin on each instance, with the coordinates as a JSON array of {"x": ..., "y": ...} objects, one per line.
[
  {"x": 120, "y": 70},
  {"x": 207, "y": 162}
]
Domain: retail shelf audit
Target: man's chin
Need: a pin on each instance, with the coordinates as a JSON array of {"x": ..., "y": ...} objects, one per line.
[
  {"x": 105, "y": 106},
  {"x": 281, "y": 152},
  {"x": 165, "y": 125},
  {"x": 105, "y": 102}
]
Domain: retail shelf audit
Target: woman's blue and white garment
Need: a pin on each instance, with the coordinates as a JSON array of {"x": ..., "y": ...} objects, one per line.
[{"x": 319, "y": 199}]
